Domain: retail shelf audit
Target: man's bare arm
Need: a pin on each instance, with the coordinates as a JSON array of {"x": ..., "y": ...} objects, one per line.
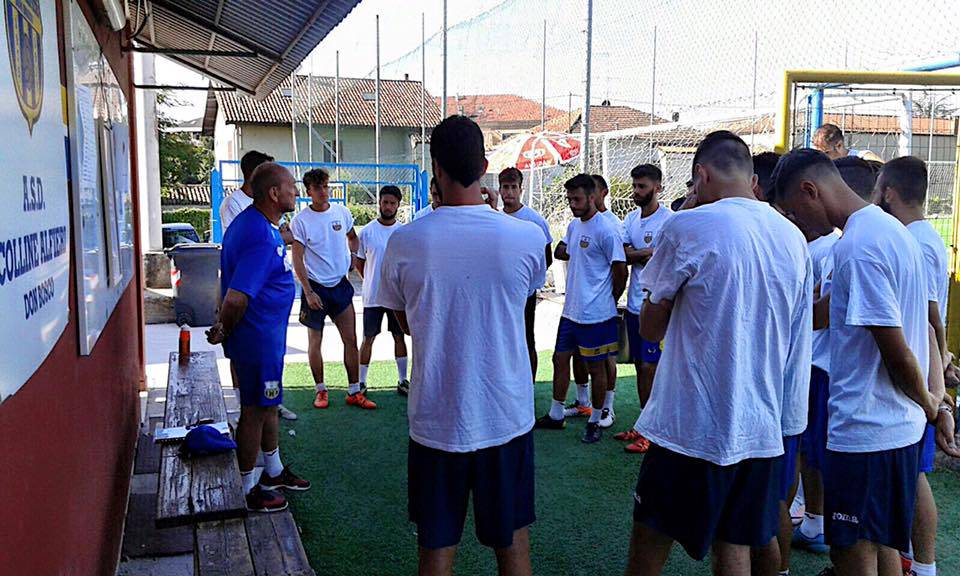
[
  {"x": 402, "y": 321},
  {"x": 359, "y": 264},
  {"x": 637, "y": 255},
  {"x": 561, "y": 252},
  {"x": 548, "y": 254},
  {"x": 232, "y": 308},
  {"x": 353, "y": 241},
  {"x": 904, "y": 368},
  {"x": 619, "y": 270},
  {"x": 821, "y": 313},
  {"x": 933, "y": 316},
  {"x": 654, "y": 319}
]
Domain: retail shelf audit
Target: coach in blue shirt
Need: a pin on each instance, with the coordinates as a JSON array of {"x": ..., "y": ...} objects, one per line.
[{"x": 257, "y": 293}]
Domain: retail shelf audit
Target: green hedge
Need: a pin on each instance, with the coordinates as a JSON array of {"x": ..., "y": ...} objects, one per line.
[
  {"x": 199, "y": 218},
  {"x": 363, "y": 213}
]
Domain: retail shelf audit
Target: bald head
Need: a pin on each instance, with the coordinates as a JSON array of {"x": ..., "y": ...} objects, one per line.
[
  {"x": 273, "y": 185},
  {"x": 829, "y": 140}
]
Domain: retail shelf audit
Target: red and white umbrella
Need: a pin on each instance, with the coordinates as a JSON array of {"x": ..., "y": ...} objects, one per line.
[{"x": 534, "y": 150}]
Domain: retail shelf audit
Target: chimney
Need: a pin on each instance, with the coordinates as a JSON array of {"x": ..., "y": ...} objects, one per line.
[{"x": 406, "y": 77}]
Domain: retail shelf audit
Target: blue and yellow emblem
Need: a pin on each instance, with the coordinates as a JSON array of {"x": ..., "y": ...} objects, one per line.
[{"x": 25, "y": 46}]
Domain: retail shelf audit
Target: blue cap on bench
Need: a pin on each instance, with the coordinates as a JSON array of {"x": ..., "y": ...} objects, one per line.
[{"x": 204, "y": 440}]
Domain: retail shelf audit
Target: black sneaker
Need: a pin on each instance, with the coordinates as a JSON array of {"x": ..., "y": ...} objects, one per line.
[
  {"x": 286, "y": 479},
  {"x": 363, "y": 388},
  {"x": 260, "y": 500},
  {"x": 592, "y": 434},
  {"x": 545, "y": 422},
  {"x": 403, "y": 387}
]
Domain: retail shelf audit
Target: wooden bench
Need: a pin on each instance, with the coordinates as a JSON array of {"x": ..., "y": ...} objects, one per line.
[{"x": 208, "y": 493}]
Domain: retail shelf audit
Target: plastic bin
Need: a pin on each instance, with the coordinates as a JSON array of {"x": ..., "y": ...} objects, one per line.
[{"x": 196, "y": 283}]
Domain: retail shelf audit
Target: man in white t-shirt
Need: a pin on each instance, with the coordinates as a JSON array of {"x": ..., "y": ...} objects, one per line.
[
  {"x": 458, "y": 281},
  {"x": 642, "y": 226},
  {"x": 596, "y": 278},
  {"x": 902, "y": 192},
  {"x": 239, "y": 199},
  {"x": 729, "y": 291},
  {"x": 511, "y": 189},
  {"x": 373, "y": 243},
  {"x": 879, "y": 401},
  {"x": 323, "y": 241},
  {"x": 434, "y": 201}
]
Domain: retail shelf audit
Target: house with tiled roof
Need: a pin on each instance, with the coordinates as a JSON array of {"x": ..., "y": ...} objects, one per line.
[
  {"x": 604, "y": 118},
  {"x": 500, "y": 115},
  {"x": 240, "y": 123}
]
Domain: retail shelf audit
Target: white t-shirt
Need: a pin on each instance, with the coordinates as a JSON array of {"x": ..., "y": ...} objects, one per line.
[
  {"x": 642, "y": 233},
  {"x": 530, "y": 215},
  {"x": 324, "y": 237},
  {"x": 462, "y": 276},
  {"x": 935, "y": 263},
  {"x": 423, "y": 211},
  {"x": 820, "y": 250},
  {"x": 373, "y": 243},
  {"x": 735, "y": 372},
  {"x": 593, "y": 247},
  {"x": 878, "y": 280},
  {"x": 609, "y": 215},
  {"x": 232, "y": 206}
]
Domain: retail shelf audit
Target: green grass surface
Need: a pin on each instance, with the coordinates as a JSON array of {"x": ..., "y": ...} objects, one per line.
[{"x": 354, "y": 520}]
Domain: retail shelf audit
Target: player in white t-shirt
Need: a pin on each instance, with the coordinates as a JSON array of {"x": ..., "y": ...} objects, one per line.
[
  {"x": 879, "y": 400},
  {"x": 902, "y": 192},
  {"x": 642, "y": 226},
  {"x": 729, "y": 290},
  {"x": 458, "y": 280},
  {"x": 511, "y": 189},
  {"x": 323, "y": 241},
  {"x": 373, "y": 243},
  {"x": 596, "y": 278},
  {"x": 434, "y": 201}
]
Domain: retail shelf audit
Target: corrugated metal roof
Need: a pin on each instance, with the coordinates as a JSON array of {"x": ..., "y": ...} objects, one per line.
[
  {"x": 399, "y": 104},
  {"x": 278, "y": 35}
]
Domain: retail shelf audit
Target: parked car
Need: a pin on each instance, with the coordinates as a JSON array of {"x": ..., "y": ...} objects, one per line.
[{"x": 179, "y": 233}]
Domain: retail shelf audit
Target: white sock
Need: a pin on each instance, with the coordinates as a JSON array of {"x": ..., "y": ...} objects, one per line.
[
  {"x": 320, "y": 386},
  {"x": 783, "y": 573},
  {"x": 556, "y": 410},
  {"x": 583, "y": 394},
  {"x": 363, "y": 372},
  {"x": 402, "y": 368},
  {"x": 921, "y": 569},
  {"x": 812, "y": 525},
  {"x": 353, "y": 388},
  {"x": 594, "y": 416},
  {"x": 608, "y": 400},
  {"x": 250, "y": 480},
  {"x": 271, "y": 462}
]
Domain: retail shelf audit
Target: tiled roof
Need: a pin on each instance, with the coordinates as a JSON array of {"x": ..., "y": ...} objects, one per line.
[
  {"x": 499, "y": 110},
  {"x": 604, "y": 118},
  {"x": 399, "y": 104},
  {"x": 854, "y": 123},
  {"x": 186, "y": 195}
]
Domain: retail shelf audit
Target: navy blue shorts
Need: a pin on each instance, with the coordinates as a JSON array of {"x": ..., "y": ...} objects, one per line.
[
  {"x": 335, "y": 300},
  {"x": 870, "y": 496},
  {"x": 791, "y": 449},
  {"x": 593, "y": 342},
  {"x": 440, "y": 484},
  {"x": 696, "y": 502},
  {"x": 259, "y": 384},
  {"x": 814, "y": 443},
  {"x": 373, "y": 322},
  {"x": 928, "y": 448},
  {"x": 640, "y": 350}
]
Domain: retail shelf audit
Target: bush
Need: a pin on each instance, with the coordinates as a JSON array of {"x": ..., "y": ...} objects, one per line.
[
  {"x": 363, "y": 213},
  {"x": 199, "y": 218}
]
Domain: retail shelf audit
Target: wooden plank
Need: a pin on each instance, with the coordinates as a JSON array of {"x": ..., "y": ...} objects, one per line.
[
  {"x": 275, "y": 545},
  {"x": 141, "y": 538},
  {"x": 221, "y": 549}
]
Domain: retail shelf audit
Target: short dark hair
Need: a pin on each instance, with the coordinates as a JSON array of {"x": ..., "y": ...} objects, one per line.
[
  {"x": 677, "y": 203},
  {"x": 908, "y": 176},
  {"x": 600, "y": 181},
  {"x": 456, "y": 144},
  {"x": 793, "y": 166},
  {"x": 315, "y": 177},
  {"x": 264, "y": 177},
  {"x": 647, "y": 171},
  {"x": 829, "y": 133},
  {"x": 725, "y": 151},
  {"x": 391, "y": 190},
  {"x": 858, "y": 175},
  {"x": 510, "y": 174},
  {"x": 250, "y": 161},
  {"x": 763, "y": 165},
  {"x": 584, "y": 181}
]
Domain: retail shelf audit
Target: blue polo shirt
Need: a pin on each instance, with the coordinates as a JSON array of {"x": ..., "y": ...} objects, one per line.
[{"x": 253, "y": 261}]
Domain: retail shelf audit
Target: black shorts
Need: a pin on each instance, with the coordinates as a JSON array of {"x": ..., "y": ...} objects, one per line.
[
  {"x": 529, "y": 319},
  {"x": 373, "y": 322},
  {"x": 440, "y": 483},
  {"x": 696, "y": 502},
  {"x": 335, "y": 300}
]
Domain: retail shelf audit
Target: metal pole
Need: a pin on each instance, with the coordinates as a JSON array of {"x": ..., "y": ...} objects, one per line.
[
  {"x": 377, "y": 94},
  {"x": 443, "y": 101},
  {"x": 585, "y": 115},
  {"x": 543, "y": 84},
  {"x": 423, "y": 90},
  {"x": 293, "y": 119},
  {"x": 310, "y": 110},
  {"x": 653, "y": 90},
  {"x": 933, "y": 107},
  {"x": 336, "y": 112},
  {"x": 753, "y": 122}
]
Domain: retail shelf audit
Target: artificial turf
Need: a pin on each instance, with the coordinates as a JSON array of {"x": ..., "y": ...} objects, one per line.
[{"x": 354, "y": 519}]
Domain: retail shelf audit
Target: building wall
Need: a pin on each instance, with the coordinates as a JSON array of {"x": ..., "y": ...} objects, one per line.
[
  {"x": 68, "y": 435},
  {"x": 357, "y": 143}
]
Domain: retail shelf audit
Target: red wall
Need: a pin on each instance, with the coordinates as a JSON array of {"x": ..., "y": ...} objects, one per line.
[{"x": 67, "y": 437}]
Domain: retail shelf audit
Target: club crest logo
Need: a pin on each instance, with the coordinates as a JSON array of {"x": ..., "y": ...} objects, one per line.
[
  {"x": 337, "y": 226},
  {"x": 584, "y": 241},
  {"x": 24, "y": 28},
  {"x": 271, "y": 389},
  {"x": 648, "y": 237}
]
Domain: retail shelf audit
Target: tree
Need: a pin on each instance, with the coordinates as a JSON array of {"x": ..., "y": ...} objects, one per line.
[{"x": 184, "y": 159}]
